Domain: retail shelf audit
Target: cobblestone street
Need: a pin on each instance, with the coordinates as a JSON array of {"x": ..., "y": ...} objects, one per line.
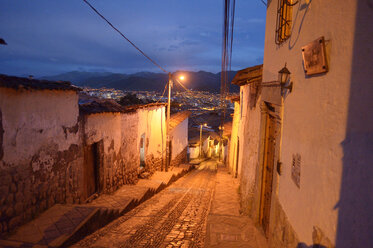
[{"x": 176, "y": 217}]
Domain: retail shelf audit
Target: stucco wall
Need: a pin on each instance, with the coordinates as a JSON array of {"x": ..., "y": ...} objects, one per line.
[
  {"x": 315, "y": 113},
  {"x": 193, "y": 152},
  {"x": 152, "y": 124},
  {"x": 233, "y": 141},
  {"x": 179, "y": 137},
  {"x": 41, "y": 157},
  {"x": 249, "y": 153}
]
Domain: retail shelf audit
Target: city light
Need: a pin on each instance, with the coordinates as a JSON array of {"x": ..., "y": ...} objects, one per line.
[{"x": 181, "y": 77}]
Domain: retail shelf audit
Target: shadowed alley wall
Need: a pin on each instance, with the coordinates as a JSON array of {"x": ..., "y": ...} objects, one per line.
[{"x": 355, "y": 205}]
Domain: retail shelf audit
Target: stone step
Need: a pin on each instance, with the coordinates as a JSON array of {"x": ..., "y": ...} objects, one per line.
[{"x": 64, "y": 225}]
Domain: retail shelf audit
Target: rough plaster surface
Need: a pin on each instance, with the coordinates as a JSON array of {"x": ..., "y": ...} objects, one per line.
[
  {"x": 249, "y": 153},
  {"x": 41, "y": 153},
  {"x": 233, "y": 141},
  {"x": 152, "y": 123},
  {"x": 179, "y": 137}
]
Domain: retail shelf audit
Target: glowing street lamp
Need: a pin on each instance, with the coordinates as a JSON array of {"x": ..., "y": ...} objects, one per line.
[{"x": 168, "y": 140}]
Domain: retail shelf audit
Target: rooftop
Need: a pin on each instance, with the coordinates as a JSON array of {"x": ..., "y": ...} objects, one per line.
[
  {"x": 111, "y": 106},
  {"x": 19, "y": 83},
  {"x": 179, "y": 117},
  {"x": 248, "y": 75}
]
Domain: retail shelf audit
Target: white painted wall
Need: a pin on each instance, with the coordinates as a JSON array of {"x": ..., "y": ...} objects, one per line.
[
  {"x": 233, "y": 141},
  {"x": 193, "y": 152},
  {"x": 244, "y": 103},
  {"x": 179, "y": 137},
  {"x": 249, "y": 146},
  {"x": 152, "y": 123},
  {"x": 316, "y": 112}
]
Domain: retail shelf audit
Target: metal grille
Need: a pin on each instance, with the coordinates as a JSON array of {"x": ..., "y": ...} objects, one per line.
[{"x": 284, "y": 20}]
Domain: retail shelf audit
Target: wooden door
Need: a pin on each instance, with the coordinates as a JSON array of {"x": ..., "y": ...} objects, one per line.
[
  {"x": 267, "y": 173},
  {"x": 92, "y": 166}
]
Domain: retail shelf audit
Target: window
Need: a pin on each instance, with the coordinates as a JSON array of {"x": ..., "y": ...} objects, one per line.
[{"x": 284, "y": 20}]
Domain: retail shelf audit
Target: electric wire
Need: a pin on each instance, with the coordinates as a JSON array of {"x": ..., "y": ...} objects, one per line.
[
  {"x": 182, "y": 85},
  {"x": 111, "y": 25},
  {"x": 164, "y": 91}
]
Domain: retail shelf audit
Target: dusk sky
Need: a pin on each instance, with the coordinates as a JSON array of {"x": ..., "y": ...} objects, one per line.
[{"x": 47, "y": 37}]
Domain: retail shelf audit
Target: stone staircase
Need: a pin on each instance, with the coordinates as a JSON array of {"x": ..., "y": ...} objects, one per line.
[{"x": 63, "y": 225}]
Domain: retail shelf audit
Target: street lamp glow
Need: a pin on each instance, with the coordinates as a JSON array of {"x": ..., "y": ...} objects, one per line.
[{"x": 181, "y": 77}]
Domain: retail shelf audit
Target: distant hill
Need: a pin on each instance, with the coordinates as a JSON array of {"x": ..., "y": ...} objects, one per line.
[{"x": 150, "y": 81}]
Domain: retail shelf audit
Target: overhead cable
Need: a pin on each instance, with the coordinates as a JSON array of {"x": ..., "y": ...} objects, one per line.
[{"x": 111, "y": 25}]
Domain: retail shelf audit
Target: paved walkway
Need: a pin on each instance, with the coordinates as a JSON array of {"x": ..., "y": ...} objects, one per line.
[
  {"x": 56, "y": 225},
  {"x": 199, "y": 210},
  {"x": 225, "y": 226}
]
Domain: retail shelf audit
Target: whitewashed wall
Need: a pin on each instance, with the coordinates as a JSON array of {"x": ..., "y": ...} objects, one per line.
[{"x": 317, "y": 115}]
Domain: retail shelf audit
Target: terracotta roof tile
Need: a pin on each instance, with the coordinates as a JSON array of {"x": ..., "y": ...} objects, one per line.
[
  {"x": 248, "y": 75},
  {"x": 179, "y": 117},
  {"x": 19, "y": 83}
]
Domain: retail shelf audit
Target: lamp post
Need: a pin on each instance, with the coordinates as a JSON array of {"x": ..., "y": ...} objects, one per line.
[
  {"x": 168, "y": 139},
  {"x": 168, "y": 159}
]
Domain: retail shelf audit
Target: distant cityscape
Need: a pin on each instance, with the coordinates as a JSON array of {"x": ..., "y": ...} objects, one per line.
[{"x": 205, "y": 106}]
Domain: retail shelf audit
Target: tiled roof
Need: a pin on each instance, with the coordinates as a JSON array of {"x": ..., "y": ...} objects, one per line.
[
  {"x": 102, "y": 106},
  {"x": 248, "y": 75},
  {"x": 111, "y": 106},
  {"x": 177, "y": 118},
  {"x": 19, "y": 83}
]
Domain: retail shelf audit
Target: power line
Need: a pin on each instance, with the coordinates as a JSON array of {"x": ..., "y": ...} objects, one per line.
[{"x": 111, "y": 25}]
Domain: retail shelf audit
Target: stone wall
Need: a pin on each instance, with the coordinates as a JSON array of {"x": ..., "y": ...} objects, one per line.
[
  {"x": 41, "y": 154},
  {"x": 47, "y": 148},
  {"x": 180, "y": 158},
  {"x": 120, "y": 155}
]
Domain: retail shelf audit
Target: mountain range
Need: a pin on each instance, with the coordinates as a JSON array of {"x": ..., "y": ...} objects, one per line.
[{"x": 145, "y": 81}]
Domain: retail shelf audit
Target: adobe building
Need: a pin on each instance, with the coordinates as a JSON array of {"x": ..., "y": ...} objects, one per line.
[
  {"x": 179, "y": 137},
  {"x": 53, "y": 150},
  {"x": 41, "y": 155},
  {"x": 306, "y": 174},
  {"x": 120, "y": 143}
]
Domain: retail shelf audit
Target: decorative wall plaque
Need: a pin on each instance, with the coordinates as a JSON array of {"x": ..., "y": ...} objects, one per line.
[
  {"x": 314, "y": 57},
  {"x": 295, "y": 169}
]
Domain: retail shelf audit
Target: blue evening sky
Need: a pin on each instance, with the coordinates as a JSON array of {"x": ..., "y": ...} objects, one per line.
[{"x": 47, "y": 37}]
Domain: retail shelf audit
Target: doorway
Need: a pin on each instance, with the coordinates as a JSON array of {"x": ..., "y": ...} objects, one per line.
[
  {"x": 92, "y": 168},
  {"x": 267, "y": 173},
  {"x": 142, "y": 151}
]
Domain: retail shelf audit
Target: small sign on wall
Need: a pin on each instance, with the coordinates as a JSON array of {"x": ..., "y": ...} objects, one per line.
[
  {"x": 314, "y": 57},
  {"x": 295, "y": 169}
]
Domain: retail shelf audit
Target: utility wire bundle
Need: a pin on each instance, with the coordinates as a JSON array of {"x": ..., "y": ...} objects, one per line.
[{"x": 226, "y": 58}]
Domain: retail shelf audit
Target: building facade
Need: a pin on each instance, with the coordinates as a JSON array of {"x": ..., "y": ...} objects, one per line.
[
  {"x": 53, "y": 150},
  {"x": 306, "y": 177}
]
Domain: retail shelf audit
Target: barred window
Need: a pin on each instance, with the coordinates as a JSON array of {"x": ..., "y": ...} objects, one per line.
[{"x": 284, "y": 20}]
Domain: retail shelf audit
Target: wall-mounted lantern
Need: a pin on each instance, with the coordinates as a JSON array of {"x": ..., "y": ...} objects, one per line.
[{"x": 283, "y": 78}]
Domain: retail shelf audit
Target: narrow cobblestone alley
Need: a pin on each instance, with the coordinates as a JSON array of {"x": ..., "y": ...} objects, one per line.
[{"x": 180, "y": 216}]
